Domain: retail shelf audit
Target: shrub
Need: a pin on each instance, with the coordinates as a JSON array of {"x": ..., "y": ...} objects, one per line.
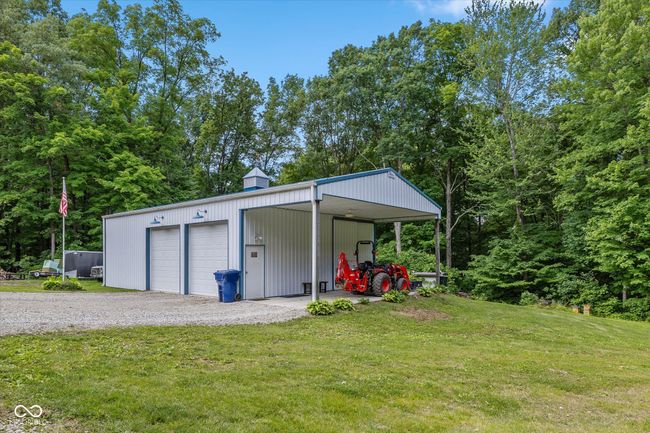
[
  {"x": 414, "y": 260},
  {"x": 343, "y": 304},
  {"x": 364, "y": 301},
  {"x": 591, "y": 292},
  {"x": 426, "y": 292},
  {"x": 528, "y": 298},
  {"x": 609, "y": 308},
  {"x": 637, "y": 308},
  {"x": 320, "y": 308},
  {"x": 457, "y": 281},
  {"x": 52, "y": 283},
  {"x": 394, "y": 296},
  {"x": 55, "y": 283},
  {"x": 71, "y": 284}
]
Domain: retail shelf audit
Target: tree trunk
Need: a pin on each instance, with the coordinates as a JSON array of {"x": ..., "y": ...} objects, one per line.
[
  {"x": 449, "y": 218},
  {"x": 437, "y": 242},
  {"x": 398, "y": 238},
  {"x": 515, "y": 171},
  {"x": 52, "y": 228},
  {"x": 398, "y": 225}
]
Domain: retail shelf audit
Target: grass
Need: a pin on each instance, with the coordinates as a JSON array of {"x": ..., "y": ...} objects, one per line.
[
  {"x": 428, "y": 365},
  {"x": 34, "y": 285}
]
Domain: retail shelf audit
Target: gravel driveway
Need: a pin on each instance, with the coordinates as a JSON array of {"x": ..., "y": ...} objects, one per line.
[{"x": 40, "y": 312}]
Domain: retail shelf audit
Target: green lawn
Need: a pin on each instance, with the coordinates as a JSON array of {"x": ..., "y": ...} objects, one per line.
[
  {"x": 459, "y": 365},
  {"x": 34, "y": 285}
]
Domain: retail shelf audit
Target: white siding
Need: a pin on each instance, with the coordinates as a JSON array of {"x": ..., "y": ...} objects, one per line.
[
  {"x": 286, "y": 235},
  {"x": 125, "y": 237},
  {"x": 346, "y": 235},
  {"x": 383, "y": 188}
]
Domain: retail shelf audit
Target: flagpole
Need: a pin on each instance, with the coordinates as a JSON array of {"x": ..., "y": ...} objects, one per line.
[{"x": 63, "y": 242}]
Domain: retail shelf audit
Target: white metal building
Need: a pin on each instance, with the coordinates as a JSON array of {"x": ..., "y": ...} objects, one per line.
[{"x": 279, "y": 237}]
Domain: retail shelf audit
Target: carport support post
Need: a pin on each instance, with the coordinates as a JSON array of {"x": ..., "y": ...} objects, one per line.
[
  {"x": 315, "y": 242},
  {"x": 437, "y": 251}
]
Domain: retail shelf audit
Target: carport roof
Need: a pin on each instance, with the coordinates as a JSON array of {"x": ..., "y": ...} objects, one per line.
[{"x": 288, "y": 187}]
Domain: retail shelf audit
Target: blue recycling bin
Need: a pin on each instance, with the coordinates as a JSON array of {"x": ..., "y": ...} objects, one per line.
[{"x": 227, "y": 280}]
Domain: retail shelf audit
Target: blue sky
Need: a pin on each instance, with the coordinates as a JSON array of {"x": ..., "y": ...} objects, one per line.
[{"x": 275, "y": 38}]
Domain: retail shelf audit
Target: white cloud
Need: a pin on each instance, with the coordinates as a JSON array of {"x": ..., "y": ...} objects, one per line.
[
  {"x": 455, "y": 8},
  {"x": 437, "y": 7}
]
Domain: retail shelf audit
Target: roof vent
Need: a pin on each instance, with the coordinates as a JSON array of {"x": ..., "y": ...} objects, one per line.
[{"x": 255, "y": 179}]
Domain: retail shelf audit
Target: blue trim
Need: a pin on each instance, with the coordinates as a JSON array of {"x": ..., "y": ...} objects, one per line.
[
  {"x": 253, "y": 188},
  {"x": 372, "y": 173},
  {"x": 327, "y": 180},
  {"x": 242, "y": 291},
  {"x": 186, "y": 260},
  {"x": 148, "y": 259}
]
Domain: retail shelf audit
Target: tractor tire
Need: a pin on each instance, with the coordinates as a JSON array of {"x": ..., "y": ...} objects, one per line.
[
  {"x": 381, "y": 284},
  {"x": 402, "y": 285}
]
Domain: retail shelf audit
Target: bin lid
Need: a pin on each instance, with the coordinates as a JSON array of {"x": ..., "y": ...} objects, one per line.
[{"x": 227, "y": 271}]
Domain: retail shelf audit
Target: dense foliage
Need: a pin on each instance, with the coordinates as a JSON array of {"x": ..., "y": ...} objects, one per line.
[{"x": 533, "y": 132}]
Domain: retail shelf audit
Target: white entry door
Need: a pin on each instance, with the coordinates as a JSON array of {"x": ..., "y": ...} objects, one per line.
[
  {"x": 165, "y": 259},
  {"x": 254, "y": 268},
  {"x": 208, "y": 252}
]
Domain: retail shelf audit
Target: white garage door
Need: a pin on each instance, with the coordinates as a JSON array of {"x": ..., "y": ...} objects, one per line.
[
  {"x": 165, "y": 260},
  {"x": 208, "y": 250}
]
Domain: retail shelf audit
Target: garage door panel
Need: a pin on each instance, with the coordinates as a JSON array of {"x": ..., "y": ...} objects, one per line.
[
  {"x": 165, "y": 259},
  {"x": 208, "y": 252}
]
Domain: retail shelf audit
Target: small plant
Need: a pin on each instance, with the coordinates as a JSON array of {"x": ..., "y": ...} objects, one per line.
[
  {"x": 52, "y": 283},
  {"x": 71, "y": 284},
  {"x": 320, "y": 308},
  {"x": 394, "y": 296},
  {"x": 364, "y": 301},
  {"x": 343, "y": 304},
  {"x": 55, "y": 283},
  {"x": 528, "y": 298},
  {"x": 425, "y": 292}
]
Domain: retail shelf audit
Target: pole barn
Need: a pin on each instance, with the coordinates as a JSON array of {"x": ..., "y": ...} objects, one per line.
[{"x": 283, "y": 239}]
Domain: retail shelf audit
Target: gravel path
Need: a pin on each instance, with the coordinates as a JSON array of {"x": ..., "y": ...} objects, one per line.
[{"x": 41, "y": 312}]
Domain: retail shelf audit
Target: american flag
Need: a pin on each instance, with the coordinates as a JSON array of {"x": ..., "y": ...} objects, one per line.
[{"x": 63, "y": 206}]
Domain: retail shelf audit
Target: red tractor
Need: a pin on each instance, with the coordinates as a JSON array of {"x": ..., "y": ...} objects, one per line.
[{"x": 370, "y": 277}]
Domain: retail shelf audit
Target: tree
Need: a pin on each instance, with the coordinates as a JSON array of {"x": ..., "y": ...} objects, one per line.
[
  {"x": 278, "y": 136},
  {"x": 225, "y": 129},
  {"x": 510, "y": 55},
  {"x": 605, "y": 175}
]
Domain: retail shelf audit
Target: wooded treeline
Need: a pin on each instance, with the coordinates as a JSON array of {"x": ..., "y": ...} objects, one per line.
[{"x": 532, "y": 132}]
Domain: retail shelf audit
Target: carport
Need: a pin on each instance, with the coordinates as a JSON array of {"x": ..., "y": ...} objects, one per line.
[{"x": 378, "y": 196}]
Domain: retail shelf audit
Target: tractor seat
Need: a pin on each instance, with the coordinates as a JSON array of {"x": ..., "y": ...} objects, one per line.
[{"x": 363, "y": 266}]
